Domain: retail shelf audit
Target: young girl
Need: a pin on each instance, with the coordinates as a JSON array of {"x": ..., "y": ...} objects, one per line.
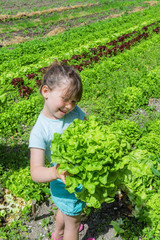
[{"x": 61, "y": 89}]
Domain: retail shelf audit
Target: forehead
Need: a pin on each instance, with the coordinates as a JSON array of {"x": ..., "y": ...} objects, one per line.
[
  {"x": 65, "y": 92},
  {"x": 69, "y": 89}
]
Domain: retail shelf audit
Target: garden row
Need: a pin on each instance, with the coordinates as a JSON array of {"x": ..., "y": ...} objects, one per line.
[
  {"x": 30, "y": 57},
  {"x": 94, "y": 55},
  {"x": 74, "y": 41},
  {"x": 123, "y": 80},
  {"x": 28, "y": 26}
]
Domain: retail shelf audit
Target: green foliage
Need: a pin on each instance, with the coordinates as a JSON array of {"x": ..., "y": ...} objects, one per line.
[
  {"x": 20, "y": 183},
  {"x": 114, "y": 87},
  {"x": 20, "y": 116},
  {"x": 4, "y": 92},
  {"x": 14, "y": 230},
  {"x": 153, "y": 211},
  {"x": 120, "y": 85},
  {"x": 129, "y": 99},
  {"x": 151, "y": 83},
  {"x": 128, "y": 129},
  {"x": 117, "y": 226},
  {"x": 3, "y": 98},
  {"x": 139, "y": 176},
  {"x": 74, "y": 41},
  {"x": 150, "y": 142},
  {"x": 141, "y": 183},
  {"x": 93, "y": 157},
  {"x": 155, "y": 127}
]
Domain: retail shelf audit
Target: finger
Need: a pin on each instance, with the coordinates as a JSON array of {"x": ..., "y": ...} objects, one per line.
[
  {"x": 65, "y": 173},
  {"x": 63, "y": 179}
]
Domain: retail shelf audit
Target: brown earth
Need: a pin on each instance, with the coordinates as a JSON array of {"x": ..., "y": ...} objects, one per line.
[
  {"x": 37, "y": 13},
  {"x": 15, "y": 7},
  {"x": 96, "y": 225}
]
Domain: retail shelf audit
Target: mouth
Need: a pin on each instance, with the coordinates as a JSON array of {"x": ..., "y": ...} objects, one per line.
[{"x": 63, "y": 111}]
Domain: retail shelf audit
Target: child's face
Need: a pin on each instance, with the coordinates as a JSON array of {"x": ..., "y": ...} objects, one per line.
[{"x": 57, "y": 105}]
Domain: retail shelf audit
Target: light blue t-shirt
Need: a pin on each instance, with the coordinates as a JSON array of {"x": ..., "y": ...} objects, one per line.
[{"x": 43, "y": 131}]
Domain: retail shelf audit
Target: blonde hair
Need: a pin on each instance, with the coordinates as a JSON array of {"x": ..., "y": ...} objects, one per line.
[{"x": 57, "y": 74}]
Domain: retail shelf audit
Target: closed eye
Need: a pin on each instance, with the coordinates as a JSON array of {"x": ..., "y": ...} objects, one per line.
[{"x": 68, "y": 100}]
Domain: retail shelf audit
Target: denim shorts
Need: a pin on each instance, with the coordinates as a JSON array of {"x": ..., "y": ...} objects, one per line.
[{"x": 65, "y": 201}]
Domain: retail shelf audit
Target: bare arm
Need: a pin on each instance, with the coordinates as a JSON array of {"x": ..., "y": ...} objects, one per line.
[{"x": 39, "y": 172}]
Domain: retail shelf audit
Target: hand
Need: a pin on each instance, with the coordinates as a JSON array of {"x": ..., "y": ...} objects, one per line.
[{"x": 63, "y": 174}]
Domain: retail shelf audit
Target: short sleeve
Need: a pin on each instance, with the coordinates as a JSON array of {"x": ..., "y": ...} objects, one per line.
[{"x": 36, "y": 140}]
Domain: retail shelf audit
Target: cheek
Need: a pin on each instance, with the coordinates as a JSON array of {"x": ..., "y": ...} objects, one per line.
[{"x": 73, "y": 105}]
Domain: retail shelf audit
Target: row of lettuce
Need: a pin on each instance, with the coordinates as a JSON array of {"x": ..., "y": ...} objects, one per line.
[
  {"x": 45, "y": 20},
  {"x": 113, "y": 89},
  {"x": 125, "y": 87},
  {"x": 80, "y": 62},
  {"x": 75, "y": 41}
]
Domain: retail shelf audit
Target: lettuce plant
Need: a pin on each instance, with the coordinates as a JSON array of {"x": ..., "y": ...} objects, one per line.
[
  {"x": 141, "y": 184},
  {"x": 93, "y": 158},
  {"x": 155, "y": 127},
  {"x": 21, "y": 185},
  {"x": 128, "y": 129},
  {"x": 150, "y": 142}
]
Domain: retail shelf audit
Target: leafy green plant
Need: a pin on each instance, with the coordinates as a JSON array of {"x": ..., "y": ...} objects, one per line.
[
  {"x": 93, "y": 157},
  {"x": 45, "y": 222},
  {"x": 20, "y": 115},
  {"x": 128, "y": 129},
  {"x": 154, "y": 127},
  {"x": 3, "y": 97},
  {"x": 130, "y": 99},
  {"x": 117, "y": 226},
  {"x": 132, "y": 229},
  {"x": 151, "y": 83},
  {"x": 150, "y": 142},
  {"x": 141, "y": 184},
  {"x": 21, "y": 185},
  {"x": 153, "y": 211}
]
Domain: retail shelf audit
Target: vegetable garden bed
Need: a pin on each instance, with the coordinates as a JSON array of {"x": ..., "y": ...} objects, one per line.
[{"x": 118, "y": 60}]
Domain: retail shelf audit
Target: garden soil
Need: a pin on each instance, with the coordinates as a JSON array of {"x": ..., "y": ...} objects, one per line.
[{"x": 96, "y": 225}]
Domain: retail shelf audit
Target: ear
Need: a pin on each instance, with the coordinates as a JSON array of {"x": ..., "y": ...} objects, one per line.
[{"x": 45, "y": 91}]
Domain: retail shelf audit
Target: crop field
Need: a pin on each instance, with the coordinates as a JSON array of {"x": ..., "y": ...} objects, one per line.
[{"x": 115, "y": 47}]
